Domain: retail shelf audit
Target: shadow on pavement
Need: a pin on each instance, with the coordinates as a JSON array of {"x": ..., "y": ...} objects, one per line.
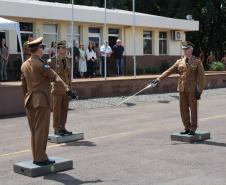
[
  {"x": 80, "y": 143},
  {"x": 212, "y": 143},
  {"x": 164, "y": 101},
  {"x": 130, "y": 104},
  {"x": 68, "y": 179}
]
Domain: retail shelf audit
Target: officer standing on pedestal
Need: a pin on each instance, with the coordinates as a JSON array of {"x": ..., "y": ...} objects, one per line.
[
  {"x": 36, "y": 78},
  {"x": 190, "y": 86},
  {"x": 62, "y": 66}
]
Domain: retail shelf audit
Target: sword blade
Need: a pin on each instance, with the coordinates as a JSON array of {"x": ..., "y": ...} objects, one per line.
[{"x": 148, "y": 86}]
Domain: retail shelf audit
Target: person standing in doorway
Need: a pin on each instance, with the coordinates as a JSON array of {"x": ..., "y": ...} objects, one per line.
[{"x": 118, "y": 50}]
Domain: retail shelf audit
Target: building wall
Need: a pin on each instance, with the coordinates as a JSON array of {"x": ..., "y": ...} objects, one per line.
[{"x": 125, "y": 34}]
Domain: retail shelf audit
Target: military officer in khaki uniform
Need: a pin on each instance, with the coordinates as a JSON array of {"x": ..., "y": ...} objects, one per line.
[
  {"x": 26, "y": 49},
  {"x": 62, "y": 66},
  {"x": 36, "y": 85},
  {"x": 190, "y": 86}
]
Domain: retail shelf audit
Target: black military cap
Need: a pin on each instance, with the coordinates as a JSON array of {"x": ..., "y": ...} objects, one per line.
[
  {"x": 35, "y": 43},
  {"x": 187, "y": 44}
]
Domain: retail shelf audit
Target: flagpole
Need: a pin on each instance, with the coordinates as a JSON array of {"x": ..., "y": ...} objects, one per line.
[
  {"x": 72, "y": 41},
  {"x": 134, "y": 41},
  {"x": 105, "y": 37}
]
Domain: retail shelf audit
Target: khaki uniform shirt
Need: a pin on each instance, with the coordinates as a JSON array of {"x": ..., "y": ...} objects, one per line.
[
  {"x": 36, "y": 82},
  {"x": 62, "y": 66},
  {"x": 191, "y": 75}
]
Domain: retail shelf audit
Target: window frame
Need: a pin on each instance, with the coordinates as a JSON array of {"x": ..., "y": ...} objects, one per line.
[
  {"x": 27, "y": 33},
  {"x": 151, "y": 39},
  {"x": 162, "y": 39},
  {"x": 49, "y": 33},
  {"x": 74, "y": 35}
]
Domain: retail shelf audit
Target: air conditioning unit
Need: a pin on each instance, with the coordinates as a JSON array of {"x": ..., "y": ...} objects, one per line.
[{"x": 176, "y": 35}]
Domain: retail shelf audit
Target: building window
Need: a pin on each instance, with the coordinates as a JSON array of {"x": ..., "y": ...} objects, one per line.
[
  {"x": 162, "y": 43},
  {"x": 94, "y": 35},
  {"x": 147, "y": 42},
  {"x": 75, "y": 36},
  {"x": 94, "y": 30},
  {"x": 113, "y": 35},
  {"x": 113, "y": 31},
  {"x": 49, "y": 35},
  {"x": 26, "y": 29}
]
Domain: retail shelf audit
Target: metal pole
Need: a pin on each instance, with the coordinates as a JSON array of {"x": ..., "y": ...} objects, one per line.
[
  {"x": 105, "y": 37},
  {"x": 72, "y": 41},
  {"x": 134, "y": 42}
]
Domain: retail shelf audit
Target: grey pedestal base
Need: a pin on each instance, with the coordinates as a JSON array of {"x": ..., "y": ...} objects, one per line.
[
  {"x": 32, "y": 170},
  {"x": 65, "y": 139},
  {"x": 199, "y": 136}
]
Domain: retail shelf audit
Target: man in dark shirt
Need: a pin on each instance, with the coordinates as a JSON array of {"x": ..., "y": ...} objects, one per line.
[
  {"x": 118, "y": 51},
  {"x": 76, "y": 58}
]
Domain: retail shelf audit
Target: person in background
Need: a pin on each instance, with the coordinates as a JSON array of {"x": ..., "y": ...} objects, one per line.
[
  {"x": 98, "y": 61},
  {"x": 118, "y": 50},
  {"x": 211, "y": 58},
  {"x": 52, "y": 50},
  {"x": 75, "y": 59},
  {"x": 223, "y": 60},
  {"x": 105, "y": 50},
  {"x": 4, "y": 56},
  {"x": 91, "y": 60},
  {"x": 202, "y": 57},
  {"x": 82, "y": 61},
  {"x": 26, "y": 49}
]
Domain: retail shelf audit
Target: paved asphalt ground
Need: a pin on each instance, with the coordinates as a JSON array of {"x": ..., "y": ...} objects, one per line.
[{"x": 127, "y": 145}]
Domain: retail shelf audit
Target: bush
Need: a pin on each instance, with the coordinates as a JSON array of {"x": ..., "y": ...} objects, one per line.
[
  {"x": 165, "y": 65},
  {"x": 217, "y": 66},
  {"x": 130, "y": 71},
  {"x": 151, "y": 70},
  {"x": 140, "y": 71}
]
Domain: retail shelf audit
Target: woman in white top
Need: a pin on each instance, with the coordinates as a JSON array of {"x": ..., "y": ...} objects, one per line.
[
  {"x": 82, "y": 61},
  {"x": 91, "y": 60}
]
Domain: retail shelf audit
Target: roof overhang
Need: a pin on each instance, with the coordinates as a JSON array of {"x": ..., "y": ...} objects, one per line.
[{"x": 87, "y": 14}]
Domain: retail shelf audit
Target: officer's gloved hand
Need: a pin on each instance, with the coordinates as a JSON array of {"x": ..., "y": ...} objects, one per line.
[
  {"x": 155, "y": 83},
  {"x": 72, "y": 94},
  {"x": 198, "y": 95}
]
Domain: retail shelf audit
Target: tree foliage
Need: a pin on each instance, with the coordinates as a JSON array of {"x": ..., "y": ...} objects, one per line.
[{"x": 211, "y": 15}]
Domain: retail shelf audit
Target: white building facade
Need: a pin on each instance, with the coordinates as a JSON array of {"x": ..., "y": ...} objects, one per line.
[{"x": 157, "y": 38}]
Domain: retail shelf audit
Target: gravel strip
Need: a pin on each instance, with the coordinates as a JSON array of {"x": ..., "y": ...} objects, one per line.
[{"x": 114, "y": 101}]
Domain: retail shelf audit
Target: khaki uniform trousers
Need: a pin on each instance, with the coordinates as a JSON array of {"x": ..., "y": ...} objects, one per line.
[
  {"x": 39, "y": 119},
  {"x": 60, "y": 109},
  {"x": 188, "y": 110}
]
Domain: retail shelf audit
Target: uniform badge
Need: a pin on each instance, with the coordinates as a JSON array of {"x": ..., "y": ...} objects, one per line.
[
  {"x": 46, "y": 66},
  {"x": 193, "y": 67}
]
